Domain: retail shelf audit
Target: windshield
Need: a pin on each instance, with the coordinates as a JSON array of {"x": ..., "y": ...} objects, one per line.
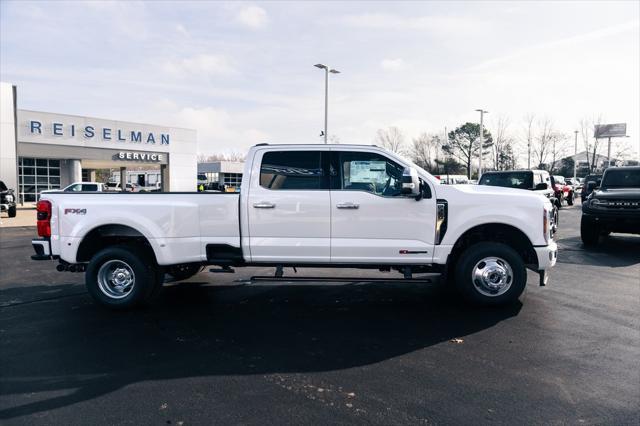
[
  {"x": 621, "y": 178},
  {"x": 521, "y": 180},
  {"x": 559, "y": 179}
]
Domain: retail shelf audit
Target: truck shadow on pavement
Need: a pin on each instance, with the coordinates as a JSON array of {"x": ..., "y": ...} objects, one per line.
[{"x": 69, "y": 350}]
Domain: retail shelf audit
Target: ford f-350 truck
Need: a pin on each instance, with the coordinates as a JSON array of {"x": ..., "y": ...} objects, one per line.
[{"x": 304, "y": 205}]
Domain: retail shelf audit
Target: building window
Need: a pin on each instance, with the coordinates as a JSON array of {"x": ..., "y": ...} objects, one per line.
[{"x": 35, "y": 175}]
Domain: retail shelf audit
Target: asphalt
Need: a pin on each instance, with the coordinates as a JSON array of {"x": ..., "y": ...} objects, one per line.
[{"x": 219, "y": 350}]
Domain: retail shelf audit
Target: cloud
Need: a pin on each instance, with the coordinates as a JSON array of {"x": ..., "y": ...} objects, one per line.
[
  {"x": 220, "y": 131},
  {"x": 253, "y": 17},
  {"x": 393, "y": 64},
  {"x": 444, "y": 25},
  {"x": 182, "y": 30},
  {"x": 203, "y": 64}
]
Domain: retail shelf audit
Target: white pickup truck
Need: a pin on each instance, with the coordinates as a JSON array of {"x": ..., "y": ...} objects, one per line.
[{"x": 304, "y": 205}]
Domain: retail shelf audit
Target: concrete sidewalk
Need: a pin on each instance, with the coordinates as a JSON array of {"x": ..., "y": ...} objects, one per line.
[{"x": 26, "y": 216}]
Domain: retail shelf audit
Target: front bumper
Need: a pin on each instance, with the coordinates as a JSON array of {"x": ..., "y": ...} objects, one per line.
[
  {"x": 547, "y": 255},
  {"x": 42, "y": 248}
]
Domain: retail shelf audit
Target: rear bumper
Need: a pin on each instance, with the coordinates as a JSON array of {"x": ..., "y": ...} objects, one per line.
[
  {"x": 42, "y": 247},
  {"x": 547, "y": 255}
]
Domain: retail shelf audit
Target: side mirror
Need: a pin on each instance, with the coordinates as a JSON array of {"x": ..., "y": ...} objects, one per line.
[
  {"x": 541, "y": 186},
  {"x": 591, "y": 185},
  {"x": 410, "y": 182}
]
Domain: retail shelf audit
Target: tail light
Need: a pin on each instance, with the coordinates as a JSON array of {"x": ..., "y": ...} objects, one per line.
[{"x": 43, "y": 209}]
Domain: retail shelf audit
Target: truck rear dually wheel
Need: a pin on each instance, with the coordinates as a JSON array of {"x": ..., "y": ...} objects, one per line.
[
  {"x": 118, "y": 278},
  {"x": 489, "y": 273}
]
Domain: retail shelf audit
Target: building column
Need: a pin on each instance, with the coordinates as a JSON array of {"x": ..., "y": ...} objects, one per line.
[
  {"x": 123, "y": 179},
  {"x": 164, "y": 178},
  {"x": 75, "y": 171}
]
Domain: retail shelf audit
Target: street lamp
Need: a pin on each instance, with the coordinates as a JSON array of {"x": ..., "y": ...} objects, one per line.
[
  {"x": 575, "y": 159},
  {"x": 327, "y": 70},
  {"x": 482, "y": 113}
]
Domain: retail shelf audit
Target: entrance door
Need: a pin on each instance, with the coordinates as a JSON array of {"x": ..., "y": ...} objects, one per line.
[
  {"x": 288, "y": 208},
  {"x": 371, "y": 221},
  {"x": 141, "y": 180}
]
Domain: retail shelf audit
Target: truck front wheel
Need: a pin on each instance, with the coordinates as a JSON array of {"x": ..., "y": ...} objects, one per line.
[
  {"x": 118, "y": 278},
  {"x": 489, "y": 273}
]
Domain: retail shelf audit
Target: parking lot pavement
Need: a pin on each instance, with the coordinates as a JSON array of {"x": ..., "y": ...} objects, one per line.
[{"x": 218, "y": 350}]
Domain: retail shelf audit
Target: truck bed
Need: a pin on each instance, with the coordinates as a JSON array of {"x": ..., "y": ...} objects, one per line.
[{"x": 179, "y": 226}]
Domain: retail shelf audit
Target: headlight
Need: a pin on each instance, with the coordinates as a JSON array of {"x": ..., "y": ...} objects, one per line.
[
  {"x": 594, "y": 202},
  {"x": 546, "y": 224},
  {"x": 9, "y": 198}
]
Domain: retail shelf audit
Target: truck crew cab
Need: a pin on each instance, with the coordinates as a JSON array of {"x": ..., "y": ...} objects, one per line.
[{"x": 304, "y": 205}]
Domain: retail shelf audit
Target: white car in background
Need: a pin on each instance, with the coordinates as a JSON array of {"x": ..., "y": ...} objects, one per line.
[{"x": 79, "y": 187}]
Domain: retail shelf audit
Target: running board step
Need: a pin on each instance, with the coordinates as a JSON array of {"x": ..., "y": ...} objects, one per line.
[{"x": 259, "y": 278}]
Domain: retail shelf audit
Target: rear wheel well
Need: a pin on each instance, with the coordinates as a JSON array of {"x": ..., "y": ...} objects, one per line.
[
  {"x": 498, "y": 233},
  {"x": 111, "y": 235}
]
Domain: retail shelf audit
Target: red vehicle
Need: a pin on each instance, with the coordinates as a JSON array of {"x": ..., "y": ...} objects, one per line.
[{"x": 564, "y": 192}]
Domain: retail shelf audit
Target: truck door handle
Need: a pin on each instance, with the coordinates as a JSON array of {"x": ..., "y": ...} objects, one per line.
[
  {"x": 264, "y": 205},
  {"x": 347, "y": 205}
]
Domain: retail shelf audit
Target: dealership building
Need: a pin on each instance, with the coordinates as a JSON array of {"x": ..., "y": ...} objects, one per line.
[{"x": 45, "y": 150}]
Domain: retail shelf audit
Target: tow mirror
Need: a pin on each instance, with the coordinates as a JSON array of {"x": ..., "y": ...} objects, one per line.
[
  {"x": 410, "y": 182},
  {"x": 541, "y": 186}
]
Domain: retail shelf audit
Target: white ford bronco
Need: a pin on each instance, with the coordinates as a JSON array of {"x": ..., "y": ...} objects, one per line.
[{"x": 304, "y": 206}]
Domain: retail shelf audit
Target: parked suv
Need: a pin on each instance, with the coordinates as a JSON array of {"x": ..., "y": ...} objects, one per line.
[
  {"x": 533, "y": 180},
  {"x": 613, "y": 207},
  {"x": 7, "y": 200}
]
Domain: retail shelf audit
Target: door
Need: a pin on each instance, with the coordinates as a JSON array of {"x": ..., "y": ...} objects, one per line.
[
  {"x": 141, "y": 180},
  {"x": 371, "y": 221},
  {"x": 288, "y": 207}
]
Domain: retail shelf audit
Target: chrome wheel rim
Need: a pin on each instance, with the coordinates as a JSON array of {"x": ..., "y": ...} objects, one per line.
[
  {"x": 492, "y": 276},
  {"x": 116, "y": 279}
]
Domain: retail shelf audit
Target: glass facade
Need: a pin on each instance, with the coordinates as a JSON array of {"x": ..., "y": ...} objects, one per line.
[
  {"x": 35, "y": 175},
  {"x": 232, "y": 179}
]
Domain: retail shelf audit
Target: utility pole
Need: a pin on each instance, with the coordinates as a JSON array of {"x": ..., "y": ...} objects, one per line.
[
  {"x": 482, "y": 113},
  {"x": 575, "y": 158},
  {"x": 327, "y": 70}
]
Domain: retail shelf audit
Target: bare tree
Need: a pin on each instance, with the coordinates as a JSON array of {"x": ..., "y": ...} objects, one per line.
[
  {"x": 391, "y": 138},
  {"x": 591, "y": 143},
  {"x": 424, "y": 151},
  {"x": 542, "y": 141},
  {"x": 503, "y": 153},
  {"x": 558, "y": 149},
  {"x": 233, "y": 156}
]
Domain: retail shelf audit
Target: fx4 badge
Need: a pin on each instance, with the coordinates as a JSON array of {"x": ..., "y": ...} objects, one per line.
[{"x": 75, "y": 211}]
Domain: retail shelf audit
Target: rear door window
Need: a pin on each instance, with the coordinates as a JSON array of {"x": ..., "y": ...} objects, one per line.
[{"x": 293, "y": 170}]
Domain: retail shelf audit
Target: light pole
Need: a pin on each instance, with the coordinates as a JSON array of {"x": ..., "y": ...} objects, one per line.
[
  {"x": 575, "y": 159},
  {"x": 482, "y": 113},
  {"x": 327, "y": 70}
]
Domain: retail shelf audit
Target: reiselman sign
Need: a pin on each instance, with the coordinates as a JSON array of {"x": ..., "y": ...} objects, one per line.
[{"x": 90, "y": 132}]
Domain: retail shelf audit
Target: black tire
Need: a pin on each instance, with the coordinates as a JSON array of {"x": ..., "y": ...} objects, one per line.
[
  {"x": 570, "y": 199},
  {"x": 589, "y": 233},
  {"x": 183, "y": 271},
  {"x": 13, "y": 211},
  {"x": 133, "y": 261},
  {"x": 473, "y": 290}
]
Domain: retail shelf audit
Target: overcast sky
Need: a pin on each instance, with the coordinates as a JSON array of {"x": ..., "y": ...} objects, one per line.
[{"x": 242, "y": 73}]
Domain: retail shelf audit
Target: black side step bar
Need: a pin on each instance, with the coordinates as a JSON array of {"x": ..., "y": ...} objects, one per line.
[{"x": 259, "y": 278}]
